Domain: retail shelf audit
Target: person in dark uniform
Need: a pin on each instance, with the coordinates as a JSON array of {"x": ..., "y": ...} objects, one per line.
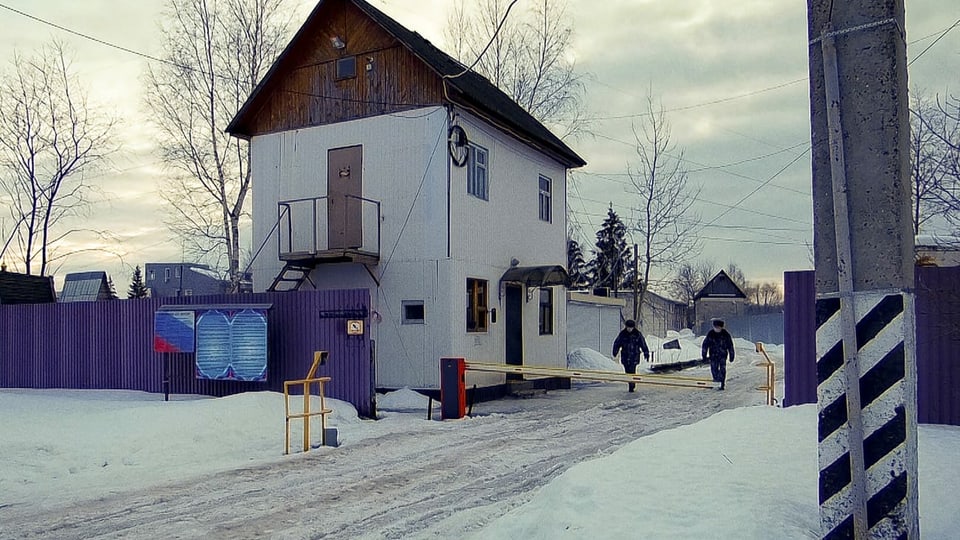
[
  {"x": 631, "y": 343},
  {"x": 717, "y": 346}
]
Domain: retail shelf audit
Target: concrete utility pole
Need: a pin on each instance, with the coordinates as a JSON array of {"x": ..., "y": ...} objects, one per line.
[{"x": 864, "y": 253}]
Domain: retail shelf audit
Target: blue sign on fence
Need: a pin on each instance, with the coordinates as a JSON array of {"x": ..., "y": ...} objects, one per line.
[{"x": 232, "y": 345}]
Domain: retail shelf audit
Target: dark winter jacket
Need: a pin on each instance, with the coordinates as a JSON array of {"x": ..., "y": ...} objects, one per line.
[
  {"x": 631, "y": 342},
  {"x": 717, "y": 345}
]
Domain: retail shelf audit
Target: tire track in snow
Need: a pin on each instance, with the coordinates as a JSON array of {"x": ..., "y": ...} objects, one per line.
[{"x": 441, "y": 479}]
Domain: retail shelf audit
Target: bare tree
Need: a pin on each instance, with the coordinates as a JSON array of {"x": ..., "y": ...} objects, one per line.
[
  {"x": 769, "y": 295},
  {"x": 689, "y": 279},
  {"x": 666, "y": 223},
  {"x": 214, "y": 55},
  {"x": 930, "y": 155},
  {"x": 529, "y": 57},
  {"x": 949, "y": 136},
  {"x": 735, "y": 273},
  {"x": 49, "y": 137}
]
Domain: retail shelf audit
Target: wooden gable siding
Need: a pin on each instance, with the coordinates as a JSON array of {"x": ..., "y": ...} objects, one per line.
[{"x": 305, "y": 91}]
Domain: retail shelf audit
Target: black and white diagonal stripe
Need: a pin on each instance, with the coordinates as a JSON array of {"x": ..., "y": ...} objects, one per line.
[{"x": 880, "y": 354}]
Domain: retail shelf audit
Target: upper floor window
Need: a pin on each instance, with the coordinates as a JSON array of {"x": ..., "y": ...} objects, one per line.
[
  {"x": 166, "y": 275},
  {"x": 477, "y": 180},
  {"x": 476, "y": 305},
  {"x": 346, "y": 67},
  {"x": 546, "y": 199},
  {"x": 151, "y": 275},
  {"x": 546, "y": 311}
]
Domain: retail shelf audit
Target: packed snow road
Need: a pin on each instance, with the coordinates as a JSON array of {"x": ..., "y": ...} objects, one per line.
[{"x": 435, "y": 480}]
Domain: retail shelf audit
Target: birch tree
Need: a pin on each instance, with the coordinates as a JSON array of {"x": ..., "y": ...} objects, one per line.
[
  {"x": 529, "y": 56},
  {"x": 50, "y": 136},
  {"x": 214, "y": 54},
  {"x": 666, "y": 222}
]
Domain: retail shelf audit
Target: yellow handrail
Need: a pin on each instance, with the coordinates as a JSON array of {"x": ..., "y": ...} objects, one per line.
[
  {"x": 771, "y": 383},
  {"x": 319, "y": 357}
]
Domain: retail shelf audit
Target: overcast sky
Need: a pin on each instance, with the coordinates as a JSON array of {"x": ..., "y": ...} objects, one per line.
[{"x": 732, "y": 76}]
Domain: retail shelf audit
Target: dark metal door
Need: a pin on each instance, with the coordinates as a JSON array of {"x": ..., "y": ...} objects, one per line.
[
  {"x": 344, "y": 189},
  {"x": 513, "y": 323}
]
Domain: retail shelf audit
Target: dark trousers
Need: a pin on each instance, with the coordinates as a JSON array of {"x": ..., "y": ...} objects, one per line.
[
  {"x": 718, "y": 368},
  {"x": 631, "y": 368}
]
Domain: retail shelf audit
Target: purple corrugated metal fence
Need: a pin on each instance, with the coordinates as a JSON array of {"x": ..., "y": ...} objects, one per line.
[
  {"x": 799, "y": 339},
  {"x": 938, "y": 342},
  {"x": 938, "y": 345},
  {"x": 109, "y": 345}
]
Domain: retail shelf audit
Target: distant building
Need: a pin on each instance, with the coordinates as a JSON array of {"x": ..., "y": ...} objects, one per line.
[
  {"x": 18, "y": 288},
  {"x": 658, "y": 314},
  {"x": 183, "y": 279},
  {"x": 719, "y": 298},
  {"x": 85, "y": 287},
  {"x": 937, "y": 250}
]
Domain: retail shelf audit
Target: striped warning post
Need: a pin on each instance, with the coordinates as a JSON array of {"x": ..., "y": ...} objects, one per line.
[{"x": 867, "y": 423}]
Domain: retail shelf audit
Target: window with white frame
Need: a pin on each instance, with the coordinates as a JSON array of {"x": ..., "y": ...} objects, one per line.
[
  {"x": 476, "y": 305},
  {"x": 546, "y": 311},
  {"x": 477, "y": 172},
  {"x": 546, "y": 199},
  {"x": 166, "y": 275}
]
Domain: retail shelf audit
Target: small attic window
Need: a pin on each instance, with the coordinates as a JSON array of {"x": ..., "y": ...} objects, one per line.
[{"x": 346, "y": 67}]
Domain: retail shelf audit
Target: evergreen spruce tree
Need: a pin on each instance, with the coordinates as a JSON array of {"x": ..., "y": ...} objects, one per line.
[
  {"x": 612, "y": 256},
  {"x": 576, "y": 266},
  {"x": 111, "y": 289},
  {"x": 137, "y": 288}
]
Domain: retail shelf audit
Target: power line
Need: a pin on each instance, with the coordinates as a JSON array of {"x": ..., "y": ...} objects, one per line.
[
  {"x": 945, "y": 32},
  {"x": 758, "y": 188},
  {"x": 705, "y": 103},
  {"x": 86, "y": 36},
  {"x": 489, "y": 43},
  {"x": 607, "y": 176}
]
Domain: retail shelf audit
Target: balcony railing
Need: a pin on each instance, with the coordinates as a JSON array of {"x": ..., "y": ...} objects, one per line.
[{"x": 321, "y": 229}]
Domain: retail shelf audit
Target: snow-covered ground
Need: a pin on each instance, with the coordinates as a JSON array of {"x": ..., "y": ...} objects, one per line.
[{"x": 592, "y": 461}]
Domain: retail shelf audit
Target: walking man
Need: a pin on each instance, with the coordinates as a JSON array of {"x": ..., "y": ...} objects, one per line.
[
  {"x": 631, "y": 342},
  {"x": 717, "y": 345}
]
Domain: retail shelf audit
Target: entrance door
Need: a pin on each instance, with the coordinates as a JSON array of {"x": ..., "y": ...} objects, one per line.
[
  {"x": 513, "y": 324},
  {"x": 344, "y": 189}
]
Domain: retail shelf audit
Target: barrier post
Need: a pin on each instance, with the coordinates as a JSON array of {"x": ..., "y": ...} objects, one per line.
[
  {"x": 453, "y": 389},
  {"x": 771, "y": 384}
]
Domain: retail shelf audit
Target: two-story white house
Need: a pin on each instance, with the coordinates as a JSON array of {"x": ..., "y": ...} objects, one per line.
[{"x": 380, "y": 162}]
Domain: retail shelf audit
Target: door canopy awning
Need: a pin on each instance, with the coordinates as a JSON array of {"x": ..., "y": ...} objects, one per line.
[{"x": 535, "y": 276}]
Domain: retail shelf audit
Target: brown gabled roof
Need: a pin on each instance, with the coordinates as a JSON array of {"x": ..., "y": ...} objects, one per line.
[
  {"x": 465, "y": 87},
  {"x": 26, "y": 289}
]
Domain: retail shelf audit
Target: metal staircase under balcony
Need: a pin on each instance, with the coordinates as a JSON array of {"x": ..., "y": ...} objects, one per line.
[
  {"x": 292, "y": 276},
  {"x": 317, "y": 230}
]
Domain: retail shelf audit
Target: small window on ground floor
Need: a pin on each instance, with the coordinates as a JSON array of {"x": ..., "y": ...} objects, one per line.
[
  {"x": 413, "y": 312},
  {"x": 476, "y": 305},
  {"x": 546, "y": 311}
]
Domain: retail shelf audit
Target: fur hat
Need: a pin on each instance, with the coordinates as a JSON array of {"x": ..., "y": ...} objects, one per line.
[
  {"x": 718, "y": 323},
  {"x": 630, "y": 323}
]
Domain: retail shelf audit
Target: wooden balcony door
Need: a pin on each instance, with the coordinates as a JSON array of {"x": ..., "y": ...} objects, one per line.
[{"x": 344, "y": 189}]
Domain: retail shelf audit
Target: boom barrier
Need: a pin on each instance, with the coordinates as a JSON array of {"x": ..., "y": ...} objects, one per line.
[
  {"x": 595, "y": 375},
  {"x": 452, "y": 383}
]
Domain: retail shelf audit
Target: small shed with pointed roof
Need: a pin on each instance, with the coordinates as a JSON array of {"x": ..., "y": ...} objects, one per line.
[{"x": 720, "y": 298}]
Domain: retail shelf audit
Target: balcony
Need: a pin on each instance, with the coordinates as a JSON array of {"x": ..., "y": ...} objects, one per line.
[{"x": 319, "y": 230}]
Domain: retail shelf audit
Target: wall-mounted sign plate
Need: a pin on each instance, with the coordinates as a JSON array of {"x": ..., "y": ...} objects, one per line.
[{"x": 354, "y": 327}]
